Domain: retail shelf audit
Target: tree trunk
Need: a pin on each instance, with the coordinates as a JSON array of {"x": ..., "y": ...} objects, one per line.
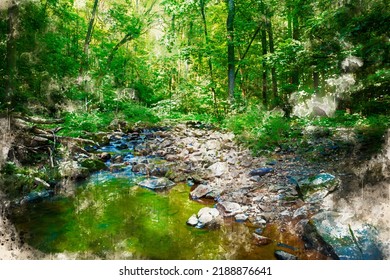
[
  {"x": 242, "y": 57},
  {"x": 273, "y": 70},
  {"x": 230, "y": 36},
  {"x": 264, "y": 79},
  {"x": 295, "y": 35},
  {"x": 84, "y": 63},
  {"x": 264, "y": 52},
  {"x": 12, "y": 26},
  {"x": 316, "y": 81},
  {"x": 212, "y": 89}
]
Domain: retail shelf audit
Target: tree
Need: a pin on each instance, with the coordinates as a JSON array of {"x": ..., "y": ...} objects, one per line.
[
  {"x": 12, "y": 34},
  {"x": 230, "y": 37},
  {"x": 84, "y": 63}
]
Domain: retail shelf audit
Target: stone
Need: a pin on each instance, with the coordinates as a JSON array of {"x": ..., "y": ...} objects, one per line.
[
  {"x": 282, "y": 255},
  {"x": 117, "y": 159},
  {"x": 36, "y": 196},
  {"x": 71, "y": 169},
  {"x": 207, "y": 217},
  {"x": 159, "y": 171},
  {"x": 105, "y": 156},
  {"x": 141, "y": 168},
  {"x": 213, "y": 145},
  {"x": 321, "y": 182},
  {"x": 229, "y": 208},
  {"x": 156, "y": 184},
  {"x": 241, "y": 218},
  {"x": 261, "y": 171},
  {"x": 93, "y": 164},
  {"x": 342, "y": 237},
  {"x": 193, "y": 220},
  {"x": 218, "y": 168},
  {"x": 260, "y": 240},
  {"x": 300, "y": 212},
  {"x": 201, "y": 191}
]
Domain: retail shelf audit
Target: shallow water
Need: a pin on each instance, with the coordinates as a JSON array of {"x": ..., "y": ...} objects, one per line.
[{"x": 111, "y": 217}]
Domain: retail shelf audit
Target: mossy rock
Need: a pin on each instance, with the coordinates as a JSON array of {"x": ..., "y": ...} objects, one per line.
[
  {"x": 320, "y": 182},
  {"x": 93, "y": 164}
]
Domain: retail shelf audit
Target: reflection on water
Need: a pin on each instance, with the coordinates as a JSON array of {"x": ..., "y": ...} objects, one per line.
[{"x": 115, "y": 219}]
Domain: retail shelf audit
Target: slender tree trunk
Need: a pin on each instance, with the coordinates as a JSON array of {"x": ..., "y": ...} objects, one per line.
[
  {"x": 212, "y": 89},
  {"x": 230, "y": 36},
  {"x": 84, "y": 63},
  {"x": 264, "y": 52},
  {"x": 242, "y": 57},
  {"x": 273, "y": 70},
  {"x": 12, "y": 26},
  {"x": 316, "y": 81},
  {"x": 295, "y": 35}
]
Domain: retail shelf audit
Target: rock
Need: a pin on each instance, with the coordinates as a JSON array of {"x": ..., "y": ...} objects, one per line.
[
  {"x": 342, "y": 237},
  {"x": 300, "y": 212},
  {"x": 282, "y": 255},
  {"x": 36, "y": 196},
  {"x": 207, "y": 216},
  {"x": 201, "y": 191},
  {"x": 71, "y": 169},
  {"x": 159, "y": 171},
  {"x": 93, "y": 164},
  {"x": 321, "y": 182},
  {"x": 141, "y": 168},
  {"x": 229, "y": 208},
  {"x": 156, "y": 184},
  {"x": 117, "y": 167},
  {"x": 261, "y": 171},
  {"x": 218, "y": 168},
  {"x": 171, "y": 157},
  {"x": 117, "y": 159},
  {"x": 213, "y": 145},
  {"x": 122, "y": 146},
  {"x": 193, "y": 220},
  {"x": 241, "y": 218},
  {"x": 260, "y": 240},
  {"x": 105, "y": 156}
]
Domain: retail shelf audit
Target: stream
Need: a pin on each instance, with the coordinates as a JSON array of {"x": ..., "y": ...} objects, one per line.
[
  {"x": 111, "y": 217},
  {"x": 139, "y": 203}
]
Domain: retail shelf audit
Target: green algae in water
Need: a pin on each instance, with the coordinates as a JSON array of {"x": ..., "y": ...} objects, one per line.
[{"x": 118, "y": 220}]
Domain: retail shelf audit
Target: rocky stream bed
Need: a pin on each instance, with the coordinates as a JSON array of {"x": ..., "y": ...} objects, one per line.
[{"x": 280, "y": 204}]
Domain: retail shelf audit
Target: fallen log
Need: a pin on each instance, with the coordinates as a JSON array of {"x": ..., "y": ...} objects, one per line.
[{"x": 37, "y": 120}]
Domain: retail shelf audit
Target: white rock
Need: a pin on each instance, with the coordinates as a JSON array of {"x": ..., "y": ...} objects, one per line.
[
  {"x": 219, "y": 168},
  {"x": 193, "y": 220}
]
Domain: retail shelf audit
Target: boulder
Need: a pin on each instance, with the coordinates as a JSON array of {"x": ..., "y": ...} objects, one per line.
[
  {"x": 193, "y": 220},
  {"x": 93, "y": 164},
  {"x": 202, "y": 191},
  {"x": 318, "y": 186},
  {"x": 156, "y": 184},
  {"x": 206, "y": 217},
  {"x": 141, "y": 168},
  {"x": 229, "y": 208},
  {"x": 261, "y": 171},
  {"x": 73, "y": 170},
  {"x": 344, "y": 237},
  {"x": 219, "y": 168}
]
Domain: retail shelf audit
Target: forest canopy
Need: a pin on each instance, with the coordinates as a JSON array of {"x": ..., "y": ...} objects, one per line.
[{"x": 200, "y": 57}]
